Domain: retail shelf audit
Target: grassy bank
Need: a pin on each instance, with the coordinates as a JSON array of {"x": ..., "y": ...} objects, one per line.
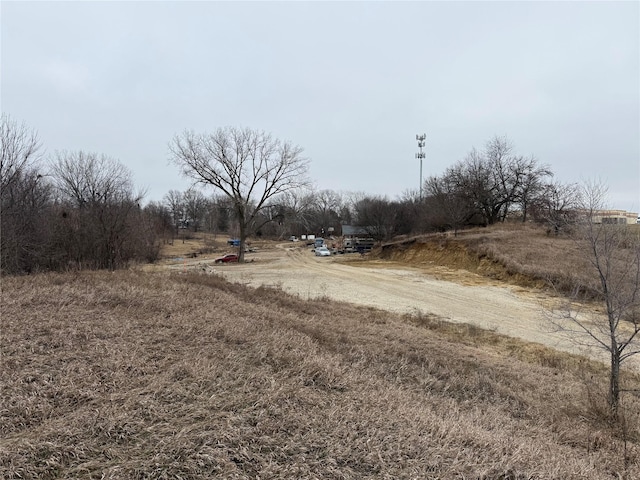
[
  {"x": 142, "y": 375},
  {"x": 525, "y": 255}
]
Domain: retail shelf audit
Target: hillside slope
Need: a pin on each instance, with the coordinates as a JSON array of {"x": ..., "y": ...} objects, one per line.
[
  {"x": 524, "y": 255},
  {"x": 155, "y": 375}
]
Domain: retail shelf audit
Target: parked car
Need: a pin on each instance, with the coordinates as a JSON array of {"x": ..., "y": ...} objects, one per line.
[
  {"x": 229, "y": 257},
  {"x": 322, "y": 252}
]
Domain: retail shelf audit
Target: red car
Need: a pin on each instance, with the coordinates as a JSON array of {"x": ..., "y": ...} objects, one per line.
[{"x": 230, "y": 257}]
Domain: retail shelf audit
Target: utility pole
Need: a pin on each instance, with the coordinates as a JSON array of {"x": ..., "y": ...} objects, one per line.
[{"x": 421, "y": 155}]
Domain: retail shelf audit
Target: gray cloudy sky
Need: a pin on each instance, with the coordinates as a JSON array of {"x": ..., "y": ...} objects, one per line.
[{"x": 352, "y": 83}]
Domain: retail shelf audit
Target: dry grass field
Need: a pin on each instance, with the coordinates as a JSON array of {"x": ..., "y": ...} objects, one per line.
[
  {"x": 157, "y": 375},
  {"x": 151, "y": 375}
]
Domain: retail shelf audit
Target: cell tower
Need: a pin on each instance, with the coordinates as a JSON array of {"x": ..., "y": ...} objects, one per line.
[{"x": 421, "y": 155}]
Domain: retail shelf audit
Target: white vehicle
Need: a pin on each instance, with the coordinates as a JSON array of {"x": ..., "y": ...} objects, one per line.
[{"x": 322, "y": 252}]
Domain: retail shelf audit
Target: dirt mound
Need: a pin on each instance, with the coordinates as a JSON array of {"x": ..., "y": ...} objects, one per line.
[{"x": 454, "y": 253}]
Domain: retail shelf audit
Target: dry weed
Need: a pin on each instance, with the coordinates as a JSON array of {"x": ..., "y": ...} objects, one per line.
[{"x": 137, "y": 375}]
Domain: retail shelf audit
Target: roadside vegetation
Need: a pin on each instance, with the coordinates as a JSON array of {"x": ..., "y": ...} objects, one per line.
[{"x": 151, "y": 375}]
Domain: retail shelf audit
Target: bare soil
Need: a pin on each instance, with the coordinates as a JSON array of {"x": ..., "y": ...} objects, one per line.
[{"x": 407, "y": 284}]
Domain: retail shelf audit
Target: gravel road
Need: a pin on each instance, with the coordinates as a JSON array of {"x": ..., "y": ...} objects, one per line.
[{"x": 468, "y": 299}]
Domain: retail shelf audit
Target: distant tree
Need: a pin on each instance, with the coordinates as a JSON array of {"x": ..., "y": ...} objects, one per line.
[
  {"x": 195, "y": 206},
  {"x": 494, "y": 182},
  {"x": 271, "y": 220},
  {"x": 556, "y": 205},
  {"x": 613, "y": 254},
  {"x": 348, "y": 209},
  {"x": 414, "y": 217},
  {"x": 298, "y": 210},
  {"x": 86, "y": 179},
  {"x": 210, "y": 215},
  {"x": 25, "y": 198},
  {"x": 407, "y": 217},
  {"x": 160, "y": 219},
  {"x": 454, "y": 209},
  {"x": 174, "y": 201},
  {"x": 474, "y": 180},
  {"x": 98, "y": 204},
  {"x": 224, "y": 212},
  {"x": 487, "y": 179},
  {"x": 325, "y": 209},
  {"x": 250, "y": 167},
  {"x": 25, "y": 222},
  {"x": 19, "y": 149},
  {"x": 377, "y": 215},
  {"x": 531, "y": 178}
]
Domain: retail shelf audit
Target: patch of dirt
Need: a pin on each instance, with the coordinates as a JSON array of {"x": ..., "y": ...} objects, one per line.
[{"x": 421, "y": 287}]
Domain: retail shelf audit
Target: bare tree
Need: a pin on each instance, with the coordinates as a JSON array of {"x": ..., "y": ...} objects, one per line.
[
  {"x": 174, "y": 201},
  {"x": 25, "y": 196},
  {"x": 98, "y": 195},
  {"x": 350, "y": 201},
  {"x": 90, "y": 179},
  {"x": 377, "y": 215},
  {"x": 474, "y": 179},
  {"x": 211, "y": 215},
  {"x": 25, "y": 220},
  {"x": 326, "y": 210},
  {"x": 453, "y": 208},
  {"x": 531, "y": 182},
  {"x": 495, "y": 180},
  {"x": 19, "y": 148},
  {"x": 195, "y": 205},
  {"x": 556, "y": 205},
  {"x": 613, "y": 254},
  {"x": 160, "y": 220},
  {"x": 271, "y": 220},
  {"x": 248, "y": 166},
  {"x": 298, "y": 210},
  {"x": 223, "y": 212}
]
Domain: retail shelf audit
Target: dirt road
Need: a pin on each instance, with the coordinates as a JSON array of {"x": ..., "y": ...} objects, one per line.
[{"x": 402, "y": 289}]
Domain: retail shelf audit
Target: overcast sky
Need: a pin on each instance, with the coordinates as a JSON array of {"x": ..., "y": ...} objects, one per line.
[{"x": 352, "y": 83}]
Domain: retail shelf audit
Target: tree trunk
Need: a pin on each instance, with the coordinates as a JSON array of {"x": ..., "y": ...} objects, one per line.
[
  {"x": 614, "y": 383},
  {"x": 243, "y": 234}
]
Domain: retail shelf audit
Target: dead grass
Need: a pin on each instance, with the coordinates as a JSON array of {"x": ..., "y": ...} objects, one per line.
[
  {"x": 524, "y": 255},
  {"x": 140, "y": 375},
  {"x": 190, "y": 244}
]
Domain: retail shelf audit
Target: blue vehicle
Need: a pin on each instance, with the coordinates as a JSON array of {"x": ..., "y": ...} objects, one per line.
[{"x": 235, "y": 242}]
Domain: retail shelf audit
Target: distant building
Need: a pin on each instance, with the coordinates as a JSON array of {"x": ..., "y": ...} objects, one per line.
[{"x": 616, "y": 217}]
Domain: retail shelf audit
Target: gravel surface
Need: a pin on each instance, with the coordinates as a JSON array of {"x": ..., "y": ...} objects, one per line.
[{"x": 464, "y": 297}]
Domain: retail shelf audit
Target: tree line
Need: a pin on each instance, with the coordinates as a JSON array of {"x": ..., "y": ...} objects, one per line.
[
  {"x": 77, "y": 209},
  {"x": 486, "y": 187}
]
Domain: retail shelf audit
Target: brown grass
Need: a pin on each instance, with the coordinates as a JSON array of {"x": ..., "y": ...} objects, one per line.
[
  {"x": 148, "y": 375},
  {"x": 524, "y": 255},
  {"x": 189, "y": 244}
]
